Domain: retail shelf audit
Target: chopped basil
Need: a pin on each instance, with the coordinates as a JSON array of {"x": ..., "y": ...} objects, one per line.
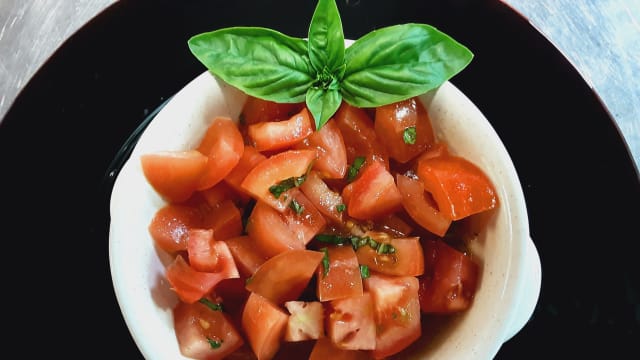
[
  {"x": 409, "y": 135},
  {"x": 286, "y": 184},
  {"x": 296, "y": 207},
  {"x": 213, "y": 306},
  {"x": 325, "y": 261},
  {"x": 357, "y": 242},
  {"x": 341, "y": 207},
  {"x": 385, "y": 248},
  {"x": 215, "y": 344},
  {"x": 352, "y": 172},
  {"x": 364, "y": 271}
]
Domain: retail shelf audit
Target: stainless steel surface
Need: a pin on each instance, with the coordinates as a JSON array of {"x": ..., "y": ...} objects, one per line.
[{"x": 600, "y": 37}]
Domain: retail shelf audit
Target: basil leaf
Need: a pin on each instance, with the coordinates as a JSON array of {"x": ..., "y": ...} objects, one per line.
[
  {"x": 323, "y": 104},
  {"x": 261, "y": 62},
  {"x": 398, "y": 62},
  {"x": 409, "y": 135},
  {"x": 326, "y": 39}
]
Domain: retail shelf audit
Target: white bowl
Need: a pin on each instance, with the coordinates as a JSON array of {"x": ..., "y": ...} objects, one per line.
[{"x": 510, "y": 270}]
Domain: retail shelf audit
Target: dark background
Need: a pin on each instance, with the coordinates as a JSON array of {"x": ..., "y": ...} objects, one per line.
[{"x": 59, "y": 140}]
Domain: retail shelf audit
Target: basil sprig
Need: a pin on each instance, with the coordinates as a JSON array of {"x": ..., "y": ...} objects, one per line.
[{"x": 386, "y": 65}]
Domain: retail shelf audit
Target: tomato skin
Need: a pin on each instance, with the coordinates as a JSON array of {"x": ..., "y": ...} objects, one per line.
[
  {"x": 174, "y": 175},
  {"x": 420, "y": 207},
  {"x": 397, "y": 312},
  {"x": 191, "y": 285},
  {"x": 450, "y": 279},
  {"x": 264, "y": 324},
  {"x": 459, "y": 186},
  {"x": 256, "y": 110},
  {"x": 245, "y": 254},
  {"x": 392, "y": 120},
  {"x": 279, "y": 167},
  {"x": 223, "y": 145},
  {"x": 351, "y": 323},
  {"x": 170, "y": 226},
  {"x": 278, "y": 135},
  {"x": 332, "y": 152},
  {"x": 285, "y": 276},
  {"x": 324, "y": 349},
  {"x": 195, "y": 323},
  {"x": 343, "y": 277},
  {"x": 249, "y": 159},
  {"x": 373, "y": 194},
  {"x": 359, "y": 135},
  {"x": 322, "y": 197},
  {"x": 407, "y": 260}
]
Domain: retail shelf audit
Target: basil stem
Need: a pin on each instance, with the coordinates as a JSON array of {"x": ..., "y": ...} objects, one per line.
[
  {"x": 211, "y": 305},
  {"x": 354, "y": 168}
]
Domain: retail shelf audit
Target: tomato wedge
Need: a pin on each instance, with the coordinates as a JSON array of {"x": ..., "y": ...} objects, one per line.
[
  {"x": 359, "y": 135},
  {"x": 175, "y": 175},
  {"x": 192, "y": 285},
  {"x": 324, "y": 349},
  {"x": 420, "y": 206},
  {"x": 373, "y": 194},
  {"x": 459, "y": 186},
  {"x": 332, "y": 152},
  {"x": 278, "y": 135},
  {"x": 306, "y": 320},
  {"x": 327, "y": 201},
  {"x": 342, "y": 278},
  {"x": 351, "y": 324},
  {"x": 283, "y": 277},
  {"x": 223, "y": 145},
  {"x": 264, "y": 324},
  {"x": 257, "y": 110},
  {"x": 282, "y": 166},
  {"x": 170, "y": 226},
  {"x": 406, "y": 260}
]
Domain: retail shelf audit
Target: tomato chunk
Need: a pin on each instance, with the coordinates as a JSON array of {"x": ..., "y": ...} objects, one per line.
[
  {"x": 245, "y": 254},
  {"x": 204, "y": 333},
  {"x": 284, "y": 277},
  {"x": 278, "y": 135},
  {"x": 332, "y": 152},
  {"x": 192, "y": 285},
  {"x": 175, "y": 175},
  {"x": 250, "y": 158},
  {"x": 264, "y": 324},
  {"x": 459, "y": 187},
  {"x": 223, "y": 145},
  {"x": 351, "y": 324},
  {"x": 270, "y": 172},
  {"x": 170, "y": 226},
  {"x": 342, "y": 278},
  {"x": 324, "y": 349},
  {"x": 257, "y": 110},
  {"x": 359, "y": 135},
  {"x": 374, "y": 194},
  {"x": 306, "y": 320},
  {"x": 327, "y": 201},
  {"x": 407, "y": 258},
  {"x": 450, "y": 279},
  {"x": 420, "y": 206}
]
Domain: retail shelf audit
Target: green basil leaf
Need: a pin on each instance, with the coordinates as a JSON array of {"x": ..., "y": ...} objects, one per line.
[
  {"x": 326, "y": 38},
  {"x": 323, "y": 104},
  {"x": 398, "y": 62},
  {"x": 261, "y": 62}
]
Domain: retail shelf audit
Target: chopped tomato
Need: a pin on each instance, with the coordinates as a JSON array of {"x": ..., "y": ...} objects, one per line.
[
  {"x": 332, "y": 153},
  {"x": 351, "y": 324},
  {"x": 395, "y": 225},
  {"x": 264, "y": 324},
  {"x": 397, "y": 312},
  {"x": 275, "y": 232},
  {"x": 170, "y": 226},
  {"x": 246, "y": 255},
  {"x": 404, "y": 128},
  {"x": 204, "y": 333},
  {"x": 203, "y": 255},
  {"x": 278, "y": 135},
  {"x": 215, "y": 195},
  {"x": 225, "y": 220},
  {"x": 285, "y": 276},
  {"x": 420, "y": 206},
  {"x": 306, "y": 320},
  {"x": 175, "y": 175},
  {"x": 257, "y": 110},
  {"x": 223, "y": 145},
  {"x": 327, "y": 201},
  {"x": 192, "y": 285},
  {"x": 459, "y": 186},
  {"x": 341, "y": 279},
  {"x": 280, "y": 167},
  {"x": 325, "y": 349},
  {"x": 359, "y": 135},
  {"x": 250, "y": 158},
  {"x": 374, "y": 194},
  {"x": 407, "y": 258},
  {"x": 450, "y": 279}
]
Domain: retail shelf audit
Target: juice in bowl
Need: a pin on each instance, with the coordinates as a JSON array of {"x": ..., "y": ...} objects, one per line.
[{"x": 322, "y": 197}]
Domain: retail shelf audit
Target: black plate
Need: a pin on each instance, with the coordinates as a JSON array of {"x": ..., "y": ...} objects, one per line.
[{"x": 61, "y": 135}]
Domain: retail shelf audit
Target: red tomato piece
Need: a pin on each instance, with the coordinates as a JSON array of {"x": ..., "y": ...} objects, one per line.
[
  {"x": 325, "y": 349},
  {"x": 327, "y": 201},
  {"x": 174, "y": 175},
  {"x": 342, "y": 279},
  {"x": 459, "y": 186},
  {"x": 204, "y": 333},
  {"x": 306, "y": 320},
  {"x": 278, "y": 135},
  {"x": 245, "y": 254},
  {"x": 170, "y": 226},
  {"x": 203, "y": 255},
  {"x": 225, "y": 220},
  {"x": 395, "y": 225},
  {"x": 332, "y": 152},
  {"x": 284, "y": 277},
  {"x": 351, "y": 323},
  {"x": 256, "y": 110},
  {"x": 374, "y": 193},
  {"x": 192, "y": 285},
  {"x": 406, "y": 260},
  {"x": 399, "y": 123},
  {"x": 223, "y": 145},
  {"x": 359, "y": 135},
  {"x": 281, "y": 166},
  {"x": 450, "y": 279},
  {"x": 250, "y": 158},
  {"x": 420, "y": 207},
  {"x": 397, "y": 312},
  {"x": 264, "y": 324}
]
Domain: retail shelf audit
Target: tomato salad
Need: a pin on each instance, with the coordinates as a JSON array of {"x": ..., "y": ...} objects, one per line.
[{"x": 295, "y": 242}]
